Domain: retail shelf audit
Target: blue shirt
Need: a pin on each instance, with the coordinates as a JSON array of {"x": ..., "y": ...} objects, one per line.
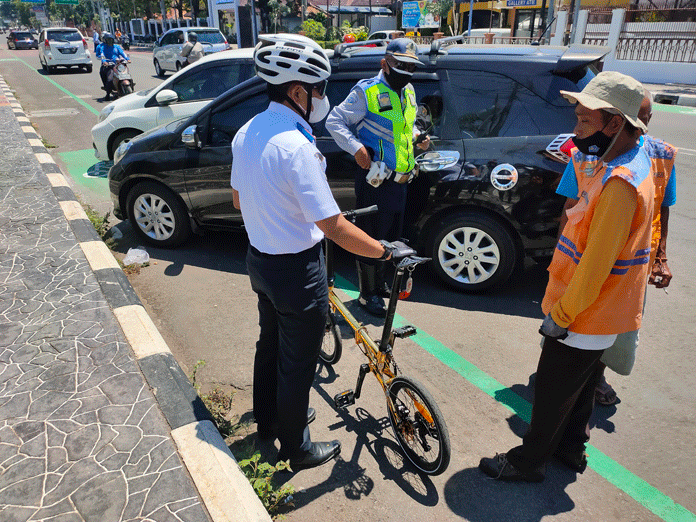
[
  {"x": 110, "y": 53},
  {"x": 568, "y": 186},
  {"x": 281, "y": 179}
]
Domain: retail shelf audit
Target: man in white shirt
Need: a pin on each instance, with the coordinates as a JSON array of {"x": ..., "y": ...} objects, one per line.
[{"x": 279, "y": 182}]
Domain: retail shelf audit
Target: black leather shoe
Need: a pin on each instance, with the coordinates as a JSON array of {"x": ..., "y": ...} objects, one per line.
[
  {"x": 575, "y": 460},
  {"x": 499, "y": 468},
  {"x": 272, "y": 432},
  {"x": 373, "y": 304},
  {"x": 321, "y": 453}
]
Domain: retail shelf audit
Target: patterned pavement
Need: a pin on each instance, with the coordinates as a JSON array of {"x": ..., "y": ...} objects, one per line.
[{"x": 81, "y": 436}]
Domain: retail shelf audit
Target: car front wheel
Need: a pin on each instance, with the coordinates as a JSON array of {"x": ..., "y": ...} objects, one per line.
[
  {"x": 157, "y": 215},
  {"x": 158, "y": 70},
  {"x": 472, "y": 251}
]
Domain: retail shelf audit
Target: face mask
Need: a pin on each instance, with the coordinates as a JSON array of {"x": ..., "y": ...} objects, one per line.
[
  {"x": 397, "y": 79},
  {"x": 320, "y": 109},
  {"x": 594, "y": 145}
]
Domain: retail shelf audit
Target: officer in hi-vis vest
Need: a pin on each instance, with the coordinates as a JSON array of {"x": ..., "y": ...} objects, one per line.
[{"x": 375, "y": 124}]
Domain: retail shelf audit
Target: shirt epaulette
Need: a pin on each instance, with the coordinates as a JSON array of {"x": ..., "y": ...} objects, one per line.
[{"x": 305, "y": 133}]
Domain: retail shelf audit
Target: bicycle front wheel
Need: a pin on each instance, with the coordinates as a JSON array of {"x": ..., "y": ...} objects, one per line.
[
  {"x": 418, "y": 425},
  {"x": 331, "y": 344}
]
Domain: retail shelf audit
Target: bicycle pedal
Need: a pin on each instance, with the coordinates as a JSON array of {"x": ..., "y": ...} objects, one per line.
[
  {"x": 344, "y": 399},
  {"x": 405, "y": 331}
]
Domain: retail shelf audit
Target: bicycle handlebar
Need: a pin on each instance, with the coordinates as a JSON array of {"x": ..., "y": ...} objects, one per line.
[{"x": 351, "y": 214}]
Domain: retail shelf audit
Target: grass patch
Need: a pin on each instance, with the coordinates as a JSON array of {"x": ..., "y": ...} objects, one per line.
[{"x": 48, "y": 145}]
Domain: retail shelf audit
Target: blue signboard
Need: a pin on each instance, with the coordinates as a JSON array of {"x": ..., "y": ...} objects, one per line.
[
  {"x": 411, "y": 14},
  {"x": 521, "y": 3}
]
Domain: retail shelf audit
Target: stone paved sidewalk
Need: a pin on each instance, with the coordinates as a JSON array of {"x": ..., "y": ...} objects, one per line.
[{"x": 81, "y": 435}]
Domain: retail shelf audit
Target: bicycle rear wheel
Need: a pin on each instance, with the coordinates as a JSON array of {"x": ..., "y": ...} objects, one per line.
[
  {"x": 331, "y": 344},
  {"x": 418, "y": 425}
]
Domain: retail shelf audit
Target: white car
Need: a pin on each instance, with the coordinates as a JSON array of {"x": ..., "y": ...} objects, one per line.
[
  {"x": 180, "y": 96},
  {"x": 63, "y": 47},
  {"x": 166, "y": 56}
]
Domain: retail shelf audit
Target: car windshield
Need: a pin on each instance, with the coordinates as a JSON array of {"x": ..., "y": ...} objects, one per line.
[
  {"x": 23, "y": 36},
  {"x": 64, "y": 36},
  {"x": 211, "y": 37}
]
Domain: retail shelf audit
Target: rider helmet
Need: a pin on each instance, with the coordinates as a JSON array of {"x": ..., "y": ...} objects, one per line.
[
  {"x": 283, "y": 58},
  {"x": 108, "y": 38},
  {"x": 193, "y": 37}
]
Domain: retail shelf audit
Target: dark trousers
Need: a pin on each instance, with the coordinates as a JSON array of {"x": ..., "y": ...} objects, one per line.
[
  {"x": 390, "y": 198},
  {"x": 293, "y": 305},
  {"x": 563, "y": 401},
  {"x": 107, "y": 78}
]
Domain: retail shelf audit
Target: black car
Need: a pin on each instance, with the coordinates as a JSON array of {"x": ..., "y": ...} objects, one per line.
[
  {"x": 22, "y": 40},
  {"x": 498, "y": 107}
]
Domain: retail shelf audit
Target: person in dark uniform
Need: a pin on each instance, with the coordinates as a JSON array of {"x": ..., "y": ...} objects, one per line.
[
  {"x": 375, "y": 124},
  {"x": 279, "y": 183}
]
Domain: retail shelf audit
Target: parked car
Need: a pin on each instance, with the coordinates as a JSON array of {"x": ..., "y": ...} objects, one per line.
[
  {"x": 21, "y": 40},
  {"x": 64, "y": 47},
  {"x": 498, "y": 107},
  {"x": 166, "y": 56},
  {"x": 180, "y": 96},
  {"x": 386, "y": 35}
]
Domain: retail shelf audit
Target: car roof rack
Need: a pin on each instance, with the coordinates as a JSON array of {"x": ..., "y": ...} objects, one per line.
[
  {"x": 341, "y": 50},
  {"x": 436, "y": 45}
]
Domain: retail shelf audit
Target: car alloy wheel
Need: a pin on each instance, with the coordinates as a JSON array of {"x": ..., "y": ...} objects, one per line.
[
  {"x": 157, "y": 215},
  {"x": 158, "y": 69},
  {"x": 472, "y": 252}
]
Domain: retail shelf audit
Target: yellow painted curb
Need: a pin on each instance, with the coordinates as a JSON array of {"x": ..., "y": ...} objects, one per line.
[
  {"x": 72, "y": 210},
  {"x": 57, "y": 180},
  {"x": 43, "y": 157},
  {"x": 222, "y": 485},
  {"x": 141, "y": 332},
  {"x": 98, "y": 255}
]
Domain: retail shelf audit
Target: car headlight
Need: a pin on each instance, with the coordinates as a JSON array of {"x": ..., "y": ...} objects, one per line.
[
  {"x": 105, "y": 113},
  {"x": 121, "y": 151}
]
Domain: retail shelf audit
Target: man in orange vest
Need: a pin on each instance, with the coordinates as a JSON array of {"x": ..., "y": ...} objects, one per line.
[
  {"x": 597, "y": 277},
  {"x": 621, "y": 355}
]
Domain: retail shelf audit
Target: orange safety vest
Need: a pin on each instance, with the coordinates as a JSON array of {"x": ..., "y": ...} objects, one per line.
[
  {"x": 661, "y": 156},
  {"x": 619, "y": 306}
]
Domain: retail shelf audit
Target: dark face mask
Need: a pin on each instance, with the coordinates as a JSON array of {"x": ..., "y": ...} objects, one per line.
[
  {"x": 397, "y": 80},
  {"x": 594, "y": 145}
]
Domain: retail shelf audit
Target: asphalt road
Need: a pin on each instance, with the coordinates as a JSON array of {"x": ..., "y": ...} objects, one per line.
[{"x": 476, "y": 354}]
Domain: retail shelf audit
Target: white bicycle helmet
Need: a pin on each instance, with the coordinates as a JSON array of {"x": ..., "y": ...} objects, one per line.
[{"x": 283, "y": 58}]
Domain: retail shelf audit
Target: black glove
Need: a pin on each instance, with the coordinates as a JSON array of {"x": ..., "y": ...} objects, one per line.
[{"x": 550, "y": 329}]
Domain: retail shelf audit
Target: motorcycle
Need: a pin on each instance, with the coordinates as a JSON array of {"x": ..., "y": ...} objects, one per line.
[
  {"x": 125, "y": 42},
  {"x": 121, "y": 77}
]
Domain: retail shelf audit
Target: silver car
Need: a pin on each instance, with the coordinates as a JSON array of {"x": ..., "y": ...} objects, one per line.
[
  {"x": 63, "y": 47},
  {"x": 166, "y": 55}
]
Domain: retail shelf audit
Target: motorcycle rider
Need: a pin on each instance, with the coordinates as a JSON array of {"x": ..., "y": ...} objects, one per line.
[
  {"x": 109, "y": 52},
  {"x": 192, "y": 50}
]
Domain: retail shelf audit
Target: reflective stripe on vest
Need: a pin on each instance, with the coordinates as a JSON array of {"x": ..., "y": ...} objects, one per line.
[
  {"x": 661, "y": 156},
  {"x": 388, "y": 125},
  {"x": 618, "y": 308}
]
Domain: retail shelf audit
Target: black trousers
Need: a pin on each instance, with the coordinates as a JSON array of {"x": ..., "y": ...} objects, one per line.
[
  {"x": 107, "y": 78},
  {"x": 388, "y": 222},
  {"x": 563, "y": 401},
  {"x": 293, "y": 305}
]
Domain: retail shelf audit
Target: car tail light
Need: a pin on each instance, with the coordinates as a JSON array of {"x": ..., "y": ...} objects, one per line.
[
  {"x": 559, "y": 149},
  {"x": 84, "y": 43}
]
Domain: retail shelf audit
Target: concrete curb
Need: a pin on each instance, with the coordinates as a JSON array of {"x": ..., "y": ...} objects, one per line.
[{"x": 224, "y": 490}]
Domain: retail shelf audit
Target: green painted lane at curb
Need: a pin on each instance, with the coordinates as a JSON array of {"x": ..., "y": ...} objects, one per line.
[
  {"x": 679, "y": 109},
  {"x": 60, "y": 87},
  {"x": 87, "y": 171},
  {"x": 642, "y": 492}
]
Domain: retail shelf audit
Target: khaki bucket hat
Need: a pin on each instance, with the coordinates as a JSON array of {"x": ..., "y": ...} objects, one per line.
[{"x": 612, "y": 90}]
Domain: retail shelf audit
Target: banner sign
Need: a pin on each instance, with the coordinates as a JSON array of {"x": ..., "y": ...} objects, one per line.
[
  {"x": 33, "y": 1},
  {"x": 521, "y": 3},
  {"x": 67, "y": 2},
  {"x": 419, "y": 15}
]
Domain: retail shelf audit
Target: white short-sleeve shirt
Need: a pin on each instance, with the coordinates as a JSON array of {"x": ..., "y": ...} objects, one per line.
[{"x": 281, "y": 179}]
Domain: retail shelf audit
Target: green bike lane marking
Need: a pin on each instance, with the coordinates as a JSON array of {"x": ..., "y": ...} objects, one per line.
[
  {"x": 642, "y": 492},
  {"x": 87, "y": 171},
  {"x": 679, "y": 109},
  {"x": 58, "y": 86}
]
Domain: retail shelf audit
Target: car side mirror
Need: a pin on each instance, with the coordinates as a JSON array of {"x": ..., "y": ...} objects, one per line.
[
  {"x": 439, "y": 160},
  {"x": 189, "y": 137},
  {"x": 166, "y": 96}
]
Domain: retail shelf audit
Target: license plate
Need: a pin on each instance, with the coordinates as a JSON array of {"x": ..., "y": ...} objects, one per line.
[{"x": 68, "y": 50}]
